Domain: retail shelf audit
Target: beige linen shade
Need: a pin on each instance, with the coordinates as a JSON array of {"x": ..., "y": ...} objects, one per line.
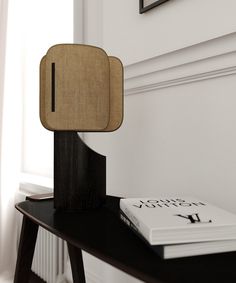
[{"x": 81, "y": 89}]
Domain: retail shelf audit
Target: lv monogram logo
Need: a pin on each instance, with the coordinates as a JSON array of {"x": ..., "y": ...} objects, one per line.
[{"x": 193, "y": 218}]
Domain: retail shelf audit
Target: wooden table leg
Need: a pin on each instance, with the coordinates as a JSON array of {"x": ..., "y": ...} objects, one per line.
[
  {"x": 26, "y": 248},
  {"x": 77, "y": 265}
]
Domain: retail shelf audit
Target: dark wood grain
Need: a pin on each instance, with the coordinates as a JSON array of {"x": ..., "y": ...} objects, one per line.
[
  {"x": 101, "y": 233},
  {"x": 79, "y": 173},
  {"x": 26, "y": 248},
  {"x": 76, "y": 261}
]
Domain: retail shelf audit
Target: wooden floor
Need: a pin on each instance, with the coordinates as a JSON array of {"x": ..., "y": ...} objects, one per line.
[{"x": 35, "y": 279}]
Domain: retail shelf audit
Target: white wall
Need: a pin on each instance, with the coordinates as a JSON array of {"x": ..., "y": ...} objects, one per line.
[
  {"x": 177, "y": 140},
  {"x": 179, "y": 105},
  {"x": 179, "y": 130},
  {"x": 171, "y": 26}
]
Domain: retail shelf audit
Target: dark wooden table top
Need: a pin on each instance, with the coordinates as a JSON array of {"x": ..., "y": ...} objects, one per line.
[{"x": 101, "y": 233}]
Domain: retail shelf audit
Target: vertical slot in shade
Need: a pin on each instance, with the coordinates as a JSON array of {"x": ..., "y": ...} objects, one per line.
[{"x": 53, "y": 87}]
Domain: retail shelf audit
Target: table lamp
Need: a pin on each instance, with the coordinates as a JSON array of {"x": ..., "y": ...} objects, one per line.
[{"x": 81, "y": 90}]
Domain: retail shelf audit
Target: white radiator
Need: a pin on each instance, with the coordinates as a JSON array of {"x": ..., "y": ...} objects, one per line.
[
  {"x": 51, "y": 261},
  {"x": 49, "y": 257}
]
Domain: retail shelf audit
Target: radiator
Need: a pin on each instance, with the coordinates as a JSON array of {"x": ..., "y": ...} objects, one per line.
[
  {"x": 49, "y": 257},
  {"x": 51, "y": 261}
]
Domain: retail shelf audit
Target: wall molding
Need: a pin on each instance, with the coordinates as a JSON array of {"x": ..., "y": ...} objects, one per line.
[{"x": 210, "y": 59}]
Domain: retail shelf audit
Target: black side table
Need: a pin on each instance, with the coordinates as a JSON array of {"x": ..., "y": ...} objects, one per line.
[{"x": 101, "y": 233}]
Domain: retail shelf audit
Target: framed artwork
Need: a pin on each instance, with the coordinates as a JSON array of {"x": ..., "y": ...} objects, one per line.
[{"x": 145, "y": 5}]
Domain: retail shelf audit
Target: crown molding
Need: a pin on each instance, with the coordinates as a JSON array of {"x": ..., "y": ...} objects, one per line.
[{"x": 207, "y": 60}]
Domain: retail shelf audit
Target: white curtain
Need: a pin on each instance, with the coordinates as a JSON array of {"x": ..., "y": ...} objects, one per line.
[{"x": 10, "y": 129}]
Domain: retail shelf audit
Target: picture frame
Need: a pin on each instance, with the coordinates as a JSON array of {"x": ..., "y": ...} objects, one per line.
[{"x": 146, "y": 5}]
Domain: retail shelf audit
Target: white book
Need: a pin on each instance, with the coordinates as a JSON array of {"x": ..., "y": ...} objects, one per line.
[
  {"x": 195, "y": 249},
  {"x": 185, "y": 249},
  {"x": 179, "y": 220}
]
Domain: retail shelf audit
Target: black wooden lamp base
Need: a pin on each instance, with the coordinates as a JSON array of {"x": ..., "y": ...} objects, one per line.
[{"x": 79, "y": 173}]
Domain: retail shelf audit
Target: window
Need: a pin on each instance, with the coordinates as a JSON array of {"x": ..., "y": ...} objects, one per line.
[{"x": 44, "y": 23}]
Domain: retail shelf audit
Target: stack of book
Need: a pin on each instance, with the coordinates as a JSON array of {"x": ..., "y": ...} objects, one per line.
[{"x": 180, "y": 226}]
